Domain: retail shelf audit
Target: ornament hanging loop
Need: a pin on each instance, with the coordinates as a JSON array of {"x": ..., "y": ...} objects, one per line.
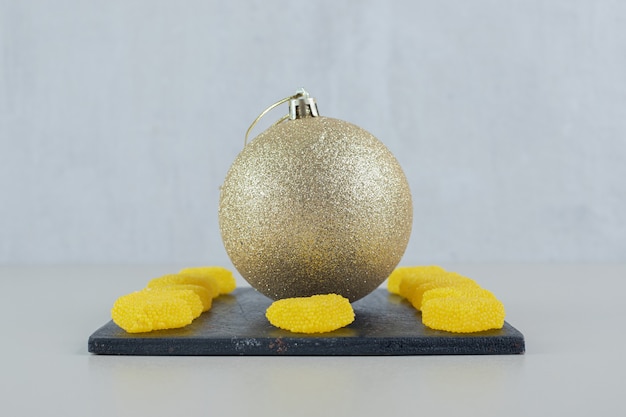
[{"x": 301, "y": 105}]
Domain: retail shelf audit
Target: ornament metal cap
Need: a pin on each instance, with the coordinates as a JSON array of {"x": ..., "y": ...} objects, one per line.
[{"x": 302, "y": 106}]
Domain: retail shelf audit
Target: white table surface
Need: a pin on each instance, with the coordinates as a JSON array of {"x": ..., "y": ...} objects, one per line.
[{"x": 572, "y": 317}]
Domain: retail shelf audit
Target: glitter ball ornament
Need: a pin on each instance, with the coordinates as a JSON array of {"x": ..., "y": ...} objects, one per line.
[{"x": 315, "y": 205}]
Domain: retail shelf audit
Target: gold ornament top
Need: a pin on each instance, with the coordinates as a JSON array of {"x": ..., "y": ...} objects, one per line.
[{"x": 315, "y": 205}]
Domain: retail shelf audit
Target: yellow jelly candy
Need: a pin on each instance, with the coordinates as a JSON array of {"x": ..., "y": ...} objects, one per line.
[
  {"x": 456, "y": 292},
  {"x": 147, "y": 310},
  {"x": 417, "y": 275},
  {"x": 179, "y": 279},
  {"x": 315, "y": 314},
  {"x": 394, "y": 279},
  {"x": 224, "y": 278},
  {"x": 463, "y": 314},
  {"x": 450, "y": 279},
  {"x": 202, "y": 292}
]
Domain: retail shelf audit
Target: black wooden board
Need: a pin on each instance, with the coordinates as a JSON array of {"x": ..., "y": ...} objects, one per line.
[{"x": 385, "y": 324}]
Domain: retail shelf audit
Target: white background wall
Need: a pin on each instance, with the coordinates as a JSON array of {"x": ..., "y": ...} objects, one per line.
[{"x": 119, "y": 120}]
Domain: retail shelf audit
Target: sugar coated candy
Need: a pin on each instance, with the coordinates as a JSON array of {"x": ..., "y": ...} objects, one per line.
[
  {"x": 463, "y": 314},
  {"x": 148, "y": 310},
  {"x": 180, "y": 279},
  {"x": 222, "y": 276},
  {"x": 316, "y": 314},
  {"x": 172, "y": 300},
  {"x": 448, "y": 301}
]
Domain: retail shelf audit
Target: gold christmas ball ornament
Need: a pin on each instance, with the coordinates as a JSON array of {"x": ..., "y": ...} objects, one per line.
[{"x": 315, "y": 205}]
